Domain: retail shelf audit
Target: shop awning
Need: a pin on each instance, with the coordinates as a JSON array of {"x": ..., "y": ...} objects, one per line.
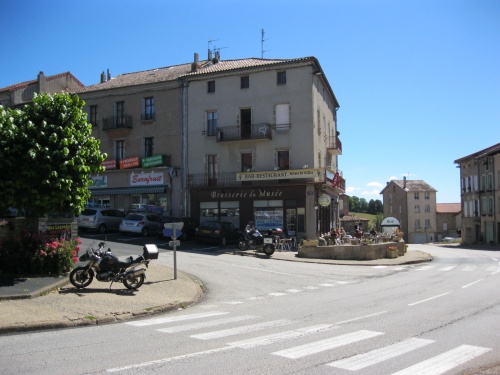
[{"x": 130, "y": 190}]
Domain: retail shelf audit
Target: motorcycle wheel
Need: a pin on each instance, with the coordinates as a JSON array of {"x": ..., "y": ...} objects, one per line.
[
  {"x": 134, "y": 282},
  {"x": 242, "y": 244},
  {"x": 81, "y": 277},
  {"x": 268, "y": 250}
]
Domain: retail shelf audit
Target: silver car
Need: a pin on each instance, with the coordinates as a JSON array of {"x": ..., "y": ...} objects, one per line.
[
  {"x": 100, "y": 219},
  {"x": 143, "y": 223}
]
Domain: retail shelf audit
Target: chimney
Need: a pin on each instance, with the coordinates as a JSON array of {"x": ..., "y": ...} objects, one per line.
[
  {"x": 103, "y": 77},
  {"x": 196, "y": 64},
  {"x": 209, "y": 54},
  {"x": 41, "y": 82},
  {"x": 217, "y": 57},
  {"x": 109, "y": 75},
  {"x": 404, "y": 182}
]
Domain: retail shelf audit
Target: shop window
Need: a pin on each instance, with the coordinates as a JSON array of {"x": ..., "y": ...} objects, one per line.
[{"x": 291, "y": 221}]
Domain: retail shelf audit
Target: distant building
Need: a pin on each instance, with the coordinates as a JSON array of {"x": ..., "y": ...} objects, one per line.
[
  {"x": 23, "y": 92},
  {"x": 448, "y": 220},
  {"x": 413, "y": 204},
  {"x": 480, "y": 181}
]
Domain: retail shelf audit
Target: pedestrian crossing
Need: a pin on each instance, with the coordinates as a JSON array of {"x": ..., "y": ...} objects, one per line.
[
  {"x": 439, "y": 268},
  {"x": 311, "y": 340}
]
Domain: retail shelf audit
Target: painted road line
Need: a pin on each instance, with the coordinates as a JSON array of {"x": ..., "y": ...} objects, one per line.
[
  {"x": 362, "y": 317},
  {"x": 282, "y": 336},
  {"x": 444, "y": 362},
  {"x": 428, "y": 299},
  {"x": 424, "y": 268},
  {"x": 327, "y": 344},
  {"x": 242, "y": 329},
  {"x": 210, "y": 323},
  {"x": 449, "y": 268},
  {"x": 373, "y": 357},
  {"x": 475, "y": 282},
  {"x": 469, "y": 268},
  {"x": 170, "y": 319}
]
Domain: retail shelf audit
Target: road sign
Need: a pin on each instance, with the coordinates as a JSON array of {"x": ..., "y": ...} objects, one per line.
[{"x": 174, "y": 243}]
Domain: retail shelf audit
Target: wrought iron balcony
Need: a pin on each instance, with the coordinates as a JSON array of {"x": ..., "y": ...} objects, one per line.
[
  {"x": 228, "y": 179},
  {"x": 334, "y": 145},
  {"x": 244, "y": 132},
  {"x": 117, "y": 122}
]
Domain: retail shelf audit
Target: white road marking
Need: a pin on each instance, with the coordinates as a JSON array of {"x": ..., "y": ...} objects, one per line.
[
  {"x": 428, "y": 299},
  {"x": 326, "y": 284},
  {"x": 327, "y": 344},
  {"x": 444, "y": 362},
  {"x": 170, "y": 319},
  {"x": 260, "y": 269},
  {"x": 282, "y": 336},
  {"x": 424, "y": 268},
  {"x": 469, "y": 268},
  {"x": 361, "y": 317},
  {"x": 211, "y": 323},
  {"x": 373, "y": 357},
  {"x": 277, "y": 294},
  {"x": 475, "y": 282},
  {"x": 311, "y": 287},
  {"x": 449, "y": 268},
  {"x": 293, "y": 291},
  {"x": 242, "y": 329}
]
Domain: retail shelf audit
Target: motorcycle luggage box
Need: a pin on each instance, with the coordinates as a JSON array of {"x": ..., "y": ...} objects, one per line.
[{"x": 150, "y": 251}]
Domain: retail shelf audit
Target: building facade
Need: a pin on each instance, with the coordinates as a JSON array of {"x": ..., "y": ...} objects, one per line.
[
  {"x": 23, "y": 92},
  {"x": 413, "y": 204},
  {"x": 480, "y": 196},
  {"x": 448, "y": 220}
]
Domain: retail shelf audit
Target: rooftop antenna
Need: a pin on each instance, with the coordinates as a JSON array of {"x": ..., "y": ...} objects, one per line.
[{"x": 262, "y": 40}]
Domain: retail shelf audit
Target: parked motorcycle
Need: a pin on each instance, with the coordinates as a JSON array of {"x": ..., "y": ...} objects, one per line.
[
  {"x": 252, "y": 238},
  {"x": 106, "y": 266}
]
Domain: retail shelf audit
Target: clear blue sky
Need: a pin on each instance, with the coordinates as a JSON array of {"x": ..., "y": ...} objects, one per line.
[{"x": 418, "y": 82}]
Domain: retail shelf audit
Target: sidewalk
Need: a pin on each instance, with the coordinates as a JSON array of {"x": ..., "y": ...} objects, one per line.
[{"x": 51, "y": 302}]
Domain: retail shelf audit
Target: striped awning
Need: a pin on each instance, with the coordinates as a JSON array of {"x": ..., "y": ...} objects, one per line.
[{"x": 130, "y": 190}]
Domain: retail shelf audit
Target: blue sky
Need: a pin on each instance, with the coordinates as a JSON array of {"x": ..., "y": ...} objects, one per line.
[{"x": 418, "y": 82}]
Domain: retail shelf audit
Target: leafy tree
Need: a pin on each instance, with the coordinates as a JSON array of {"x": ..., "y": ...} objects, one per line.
[
  {"x": 353, "y": 204},
  {"x": 47, "y": 154},
  {"x": 363, "y": 205}
]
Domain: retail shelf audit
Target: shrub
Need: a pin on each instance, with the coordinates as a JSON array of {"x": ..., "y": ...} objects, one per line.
[{"x": 37, "y": 255}]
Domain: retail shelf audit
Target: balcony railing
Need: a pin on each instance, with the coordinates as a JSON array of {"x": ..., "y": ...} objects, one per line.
[
  {"x": 243, "y": 132},
  {"x": 117, "y": 122},
  {"x": 228, "y": 179},
  {"x": 334, "y": 145}
]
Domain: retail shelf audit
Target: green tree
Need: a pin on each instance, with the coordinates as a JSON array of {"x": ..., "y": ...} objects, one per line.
[
  {"x": 353, "y": 204},
  {"x": 47, "y": 155},
  {"x": 363, "y": 205}
]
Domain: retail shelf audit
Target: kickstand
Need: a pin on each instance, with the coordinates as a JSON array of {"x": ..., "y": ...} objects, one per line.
[{"x": 110, "y": 285}]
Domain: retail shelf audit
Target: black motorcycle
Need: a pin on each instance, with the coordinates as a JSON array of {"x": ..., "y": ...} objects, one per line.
[
  {"x": 106, "y": 266},
  {"x": 253, "y": 239}
]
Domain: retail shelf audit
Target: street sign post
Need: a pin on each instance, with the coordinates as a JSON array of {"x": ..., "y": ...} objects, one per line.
[{"x": 176, "y": 229}]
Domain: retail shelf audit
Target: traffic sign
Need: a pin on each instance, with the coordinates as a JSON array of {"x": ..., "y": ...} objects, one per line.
[{"x": 174, "y": 243}]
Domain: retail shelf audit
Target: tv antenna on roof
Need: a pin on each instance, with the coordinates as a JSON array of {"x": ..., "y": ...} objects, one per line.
[{"x": 262, "y": 40}]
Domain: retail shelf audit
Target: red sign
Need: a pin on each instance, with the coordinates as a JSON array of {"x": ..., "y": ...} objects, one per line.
[
  {"x": 109, "y": 164},
  {"x": 132, "y": 162}
]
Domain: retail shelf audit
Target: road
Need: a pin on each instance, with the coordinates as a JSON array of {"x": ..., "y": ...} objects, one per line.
[{"x": 263, "y": 316}]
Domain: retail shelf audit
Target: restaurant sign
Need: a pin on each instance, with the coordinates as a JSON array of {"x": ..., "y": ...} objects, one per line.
[
  {"x": 318, "y": 174},
  {"x": 146, "y": 179}
]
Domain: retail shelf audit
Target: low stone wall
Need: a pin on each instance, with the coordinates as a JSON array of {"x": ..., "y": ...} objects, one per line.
[
  {"x": 51, "y": 227},
  {"x": 351, "y": 252}
]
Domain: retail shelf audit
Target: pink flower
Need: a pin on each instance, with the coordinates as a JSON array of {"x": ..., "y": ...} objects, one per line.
[
  {"x": 75, "y": 259},
  {"x": 73, "y": 253},
  {"x": 77, "y": 248}
]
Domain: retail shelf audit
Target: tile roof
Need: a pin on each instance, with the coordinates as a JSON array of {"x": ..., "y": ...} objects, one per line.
[
  {"x": 448, "y": 208},
  {"x": 487, "y": 151},
  {"x": 174, "y": 72},
  {"x": 412, "y": 185},
  {"x": 20, "y": 85}
]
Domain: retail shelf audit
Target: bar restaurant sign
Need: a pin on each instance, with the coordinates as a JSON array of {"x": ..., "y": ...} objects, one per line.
[
  {"x": 318, "y": 174},
  {"x": 146, "y": 179}
]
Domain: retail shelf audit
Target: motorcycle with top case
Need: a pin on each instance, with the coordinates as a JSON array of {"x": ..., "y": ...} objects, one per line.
[{"x": 107, "y": 267}]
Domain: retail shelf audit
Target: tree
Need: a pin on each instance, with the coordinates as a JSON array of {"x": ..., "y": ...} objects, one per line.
[
  {"x": 47, "y": 155},
  {"x": 354, "y": 204},
  {"x": 363, "y": 205}
]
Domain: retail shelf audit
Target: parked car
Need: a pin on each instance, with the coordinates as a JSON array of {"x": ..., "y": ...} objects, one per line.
[
  {"x": 141, "y": 223},
  {"x": 221, "y": 232},
  {"x": 188, "y": 230},
  {"x": 100, "y": 219}
]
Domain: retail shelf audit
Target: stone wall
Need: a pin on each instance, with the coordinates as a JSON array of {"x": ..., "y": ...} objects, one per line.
[
  {"x": 351, "y": 252},
  {"x": 51, "y": 227}
]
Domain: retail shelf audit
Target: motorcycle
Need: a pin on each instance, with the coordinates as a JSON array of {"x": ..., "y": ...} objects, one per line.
[
  {"x": 106, "y": 266},
  {"x": 252, "y": 238}
]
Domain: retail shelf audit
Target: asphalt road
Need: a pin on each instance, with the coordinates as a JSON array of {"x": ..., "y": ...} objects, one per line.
[{"x": 261, "y": 316}]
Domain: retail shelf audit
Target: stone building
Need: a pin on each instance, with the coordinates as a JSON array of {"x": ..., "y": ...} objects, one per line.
[{"x": 448, "y": 220}]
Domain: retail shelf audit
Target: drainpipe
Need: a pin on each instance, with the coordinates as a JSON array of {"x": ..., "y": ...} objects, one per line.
[{"x": 184, "y": 152}]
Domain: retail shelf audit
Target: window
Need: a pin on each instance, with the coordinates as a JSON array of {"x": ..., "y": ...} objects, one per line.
[
  {"x": 246, "y": 161},
  {"x": 211, "y": 86},
  {"x": 416, "y": 195},
  {"x": 282, "y": 113},
  {"x": 427, "y": 195},
  {"x": 489, "y": 181},
  {"x": 149, "y": 109},
  {"x": 468, "y": 183},
  {"x": 427, "y": 208},
  {"x": 120, "y": 150},
  {"x": 245, "y": 82},
  {"x": 211, "y": 123},
  {"x": 93, "y": 115},
  {"x": 148, "y": 146},
  {"x": 427, "y": 223},
  {"x": 490, "y": 205},
  {"x": 417, "y": 223},
  {"x": 212, "y": 170},
  {"x": 120, "y": 114},
  {"x": 283, "y": 159},
  {"x": 281, "y": 78},
  {"x": 483, "y": 182},
  {"x": 417, "y": 208}
]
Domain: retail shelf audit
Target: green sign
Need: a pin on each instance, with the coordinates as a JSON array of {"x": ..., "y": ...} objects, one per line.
[{"x": 152, "y": 161}]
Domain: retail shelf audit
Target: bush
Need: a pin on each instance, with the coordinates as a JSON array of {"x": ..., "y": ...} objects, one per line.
[{"x": 37, "y": 255}]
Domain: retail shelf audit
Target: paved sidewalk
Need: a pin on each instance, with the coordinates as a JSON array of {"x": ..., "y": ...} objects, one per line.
[{"x": 51, "y": 302}]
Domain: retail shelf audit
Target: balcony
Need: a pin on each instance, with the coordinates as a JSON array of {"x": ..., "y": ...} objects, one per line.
[
  {"x": 117, "y": 122},
  {"x": 244, "y": 132},
  {"x": 334, "y": 146}
]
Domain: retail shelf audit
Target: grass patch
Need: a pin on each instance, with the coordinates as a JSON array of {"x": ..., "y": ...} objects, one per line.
[{"x": 90, "y": 317}]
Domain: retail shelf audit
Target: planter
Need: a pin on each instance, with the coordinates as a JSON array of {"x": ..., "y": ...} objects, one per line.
[
  {"x": 391, "y": 254},
  {"x": 354, "y": 241},
  {"x": 309, "y": 243}
]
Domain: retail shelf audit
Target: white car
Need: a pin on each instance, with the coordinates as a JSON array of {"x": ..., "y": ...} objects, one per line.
[{"x": 143, "y": 223}]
